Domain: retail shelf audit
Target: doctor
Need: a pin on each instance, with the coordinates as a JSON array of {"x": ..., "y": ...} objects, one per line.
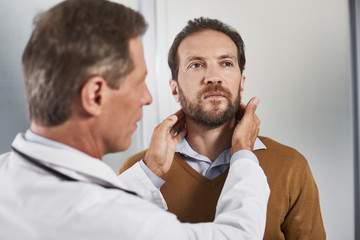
[{"x": 84, "y": 74}]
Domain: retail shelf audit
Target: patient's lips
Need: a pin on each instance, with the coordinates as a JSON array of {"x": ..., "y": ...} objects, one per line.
[{"x": 214, "y": 95}]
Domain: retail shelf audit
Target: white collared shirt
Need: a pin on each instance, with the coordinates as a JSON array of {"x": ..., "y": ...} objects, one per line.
[{"x": 36, "y": 204}]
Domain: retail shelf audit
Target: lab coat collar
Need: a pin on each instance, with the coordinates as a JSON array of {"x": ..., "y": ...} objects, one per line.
[{"x": 74, "y": 164}]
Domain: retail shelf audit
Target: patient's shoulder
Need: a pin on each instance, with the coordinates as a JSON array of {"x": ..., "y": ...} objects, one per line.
[{"x": 128, "y": 163}]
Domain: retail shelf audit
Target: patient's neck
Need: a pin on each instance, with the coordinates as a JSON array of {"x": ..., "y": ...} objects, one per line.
[{"x": 209, "y": 142}]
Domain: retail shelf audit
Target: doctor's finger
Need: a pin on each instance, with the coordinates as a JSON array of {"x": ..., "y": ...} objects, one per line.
[{"x": 180, "y": 124}]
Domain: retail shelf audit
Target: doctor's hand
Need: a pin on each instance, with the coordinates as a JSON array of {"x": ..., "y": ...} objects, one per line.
[
  {"x": 247, "y": 130},
  {"x": 161, "y": 150}
]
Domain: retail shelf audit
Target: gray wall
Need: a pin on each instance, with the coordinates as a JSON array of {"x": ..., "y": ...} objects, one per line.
[{"x": 13, "y": 36}]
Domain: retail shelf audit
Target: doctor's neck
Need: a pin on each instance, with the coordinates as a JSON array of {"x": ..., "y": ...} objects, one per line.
[{"x": 72, "y": 133}]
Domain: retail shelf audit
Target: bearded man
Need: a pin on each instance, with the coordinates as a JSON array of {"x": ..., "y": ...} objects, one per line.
[{"x": 207, "y": 62}]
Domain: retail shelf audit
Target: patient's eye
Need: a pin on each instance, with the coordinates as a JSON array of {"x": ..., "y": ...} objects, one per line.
[
  {"x": 195, "y": 65},
  {"x": 227, "y": 64}
]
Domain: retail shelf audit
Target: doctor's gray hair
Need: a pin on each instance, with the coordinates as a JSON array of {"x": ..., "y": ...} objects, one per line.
[
  {"x": 72, "y": 42},
  {"x": 202, "y": 24}
]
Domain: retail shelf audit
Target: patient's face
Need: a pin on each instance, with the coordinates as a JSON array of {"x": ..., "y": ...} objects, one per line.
[{"x": 209, "y": 78}]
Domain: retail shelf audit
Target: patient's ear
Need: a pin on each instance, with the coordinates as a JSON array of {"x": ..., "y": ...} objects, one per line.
[
  {"x": 92, "y": 95},
  {"x": 242, "y": 82},
  {"x": 174, "y": 89}
]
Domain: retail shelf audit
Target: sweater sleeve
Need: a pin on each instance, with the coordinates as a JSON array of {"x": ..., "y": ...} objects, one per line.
[{"x": 304, "y": 220}]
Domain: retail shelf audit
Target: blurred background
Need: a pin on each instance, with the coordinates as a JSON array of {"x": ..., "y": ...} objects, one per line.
[{"x": 301, "y": 61}]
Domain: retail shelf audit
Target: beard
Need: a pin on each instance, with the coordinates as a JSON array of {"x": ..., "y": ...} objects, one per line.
[{"x": 216, "y": 116}]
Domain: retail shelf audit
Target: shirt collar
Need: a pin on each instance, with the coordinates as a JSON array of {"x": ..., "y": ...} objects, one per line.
[
  {"x": 184, "y": 148},
  {"x": 66, "y": 159}
]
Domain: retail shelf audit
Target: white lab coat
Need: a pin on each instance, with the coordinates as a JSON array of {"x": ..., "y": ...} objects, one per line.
[{"x": 35, "y": 204}]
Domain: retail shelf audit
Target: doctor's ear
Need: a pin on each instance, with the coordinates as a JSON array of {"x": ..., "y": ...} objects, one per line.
[
  {"x": 174, "y": 89},
  {"x": 92, "y": 95}
]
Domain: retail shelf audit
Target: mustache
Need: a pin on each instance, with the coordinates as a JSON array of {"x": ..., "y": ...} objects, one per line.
[{"x": 215, "y": 88}]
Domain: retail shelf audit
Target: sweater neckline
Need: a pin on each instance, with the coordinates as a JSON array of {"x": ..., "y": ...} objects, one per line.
[{"x": 210, "y": 182}]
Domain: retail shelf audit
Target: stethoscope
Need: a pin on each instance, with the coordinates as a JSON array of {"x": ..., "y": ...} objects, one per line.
[{"x": 60, "y": 174}]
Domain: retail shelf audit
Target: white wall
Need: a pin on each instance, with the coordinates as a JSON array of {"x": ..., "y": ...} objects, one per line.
[{"x": 298, "y": 63}]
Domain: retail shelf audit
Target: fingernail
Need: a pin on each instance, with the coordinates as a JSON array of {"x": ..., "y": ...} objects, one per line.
[
  {"x": 255, "y": 101},
  {"x": 173, "y": 117}
]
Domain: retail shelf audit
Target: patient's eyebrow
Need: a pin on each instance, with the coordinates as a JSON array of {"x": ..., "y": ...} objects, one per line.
[
  {"x": 228, "y": 56},
  {"x": 199, "y": 58},
  {"x": 194, "y": 58}
]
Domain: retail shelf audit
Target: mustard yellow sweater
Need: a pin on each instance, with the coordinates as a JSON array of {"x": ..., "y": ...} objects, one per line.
[{"x": 293, "y": 207}]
